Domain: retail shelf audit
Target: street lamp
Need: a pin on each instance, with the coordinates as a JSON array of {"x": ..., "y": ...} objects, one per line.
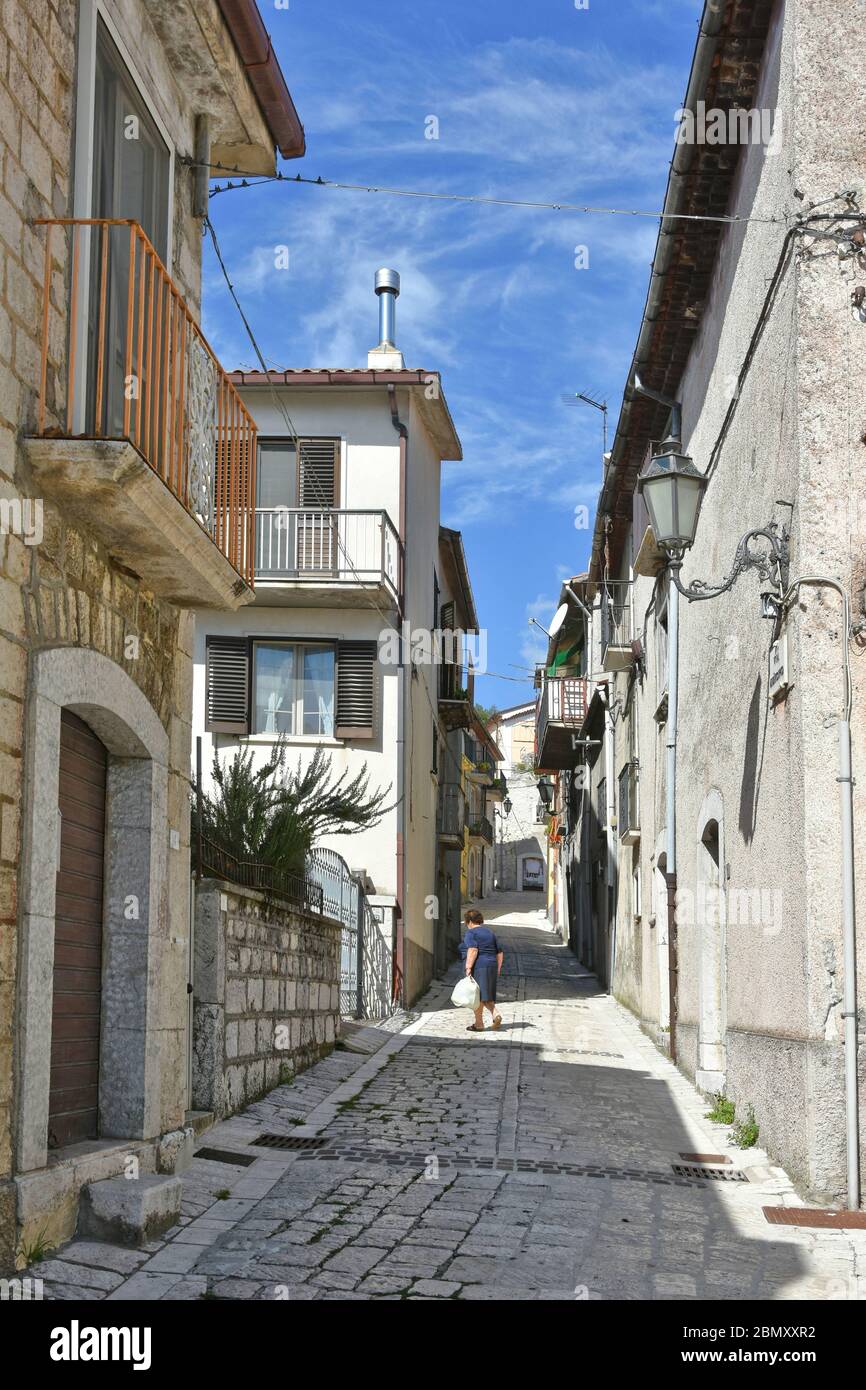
[
  {"x": 507, "y": 805},
  {"x": 546, "y": 791},
  {"x": 673, "y": 490}
]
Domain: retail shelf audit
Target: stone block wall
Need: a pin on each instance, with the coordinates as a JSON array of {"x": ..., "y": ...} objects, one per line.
[{"x": 266, "y": 994}]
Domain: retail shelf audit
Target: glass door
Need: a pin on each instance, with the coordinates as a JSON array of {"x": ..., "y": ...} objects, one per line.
[{"x": 131, "y": 172}]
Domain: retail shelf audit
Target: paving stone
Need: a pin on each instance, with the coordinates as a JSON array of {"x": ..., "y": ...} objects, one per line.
[
  {"x": 435, "y": 1288},
  {"x": 103, "y": 1256}
]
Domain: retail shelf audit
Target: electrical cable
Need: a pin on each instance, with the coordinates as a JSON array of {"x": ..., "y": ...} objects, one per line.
[{"x": 251, "y": 179}]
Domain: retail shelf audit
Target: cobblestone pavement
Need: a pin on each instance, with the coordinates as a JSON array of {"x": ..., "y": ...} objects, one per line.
[{"x": 531, "y": 1163}]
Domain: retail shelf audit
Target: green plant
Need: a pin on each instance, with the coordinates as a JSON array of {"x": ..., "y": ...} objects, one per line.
[
  {"x": 723, "y": 1110},
  {"x": 273, "y": 815},
  {"x": 223, "y": 1194},
  {"x": 35, "y": 1252},
  {"x": 745, "y": 1133}
]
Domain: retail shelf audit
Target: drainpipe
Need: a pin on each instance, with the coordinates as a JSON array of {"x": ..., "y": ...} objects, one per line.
[
  {"x": 671, "y": 809},
  {"x": 399, "y": 963},
  {"x": 849, "y": 935}
]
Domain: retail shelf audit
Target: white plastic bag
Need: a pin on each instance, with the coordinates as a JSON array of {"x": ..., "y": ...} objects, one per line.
[{"x": 466, "y": 994}]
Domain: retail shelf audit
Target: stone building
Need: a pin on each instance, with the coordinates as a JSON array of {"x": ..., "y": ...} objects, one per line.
[
  {"x": 751, "y": 328},
  {"x": 123, "y": 498}
]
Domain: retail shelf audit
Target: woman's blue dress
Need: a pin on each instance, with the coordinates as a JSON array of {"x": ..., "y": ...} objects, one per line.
[{"x": 485, "y": 971}]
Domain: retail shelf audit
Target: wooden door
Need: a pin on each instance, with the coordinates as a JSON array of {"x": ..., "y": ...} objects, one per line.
[{"x": 74, "y": 1091}]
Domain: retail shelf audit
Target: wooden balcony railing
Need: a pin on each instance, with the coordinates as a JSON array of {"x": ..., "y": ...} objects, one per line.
[{"x": 135, "y": 366}]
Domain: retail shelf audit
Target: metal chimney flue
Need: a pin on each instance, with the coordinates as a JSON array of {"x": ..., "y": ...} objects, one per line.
[{"x": 387, "y": 288}]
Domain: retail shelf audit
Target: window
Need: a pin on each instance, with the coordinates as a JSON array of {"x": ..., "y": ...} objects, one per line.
[
  {"x": 602, "y": 804},
  {"x": 293, "y": 689},
  {"x": 297, "y": 688},
  {"x": 131, "y": 176},
  {"x": 131, "y": 161}
]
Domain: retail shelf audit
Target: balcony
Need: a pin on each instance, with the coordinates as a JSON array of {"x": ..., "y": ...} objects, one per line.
[
  {"x": 456, "y": 696},
  {"x": 562, "y": 705},
  {"x": 141, "y": 437},
  {"x": 451, "y": 816},
  {"x": 326, "y": 557},
  {"x": 481, "y": 830},
  {"x": 498, "y": 789},
  {"x": 628, "y": 809},
  {"x": 616, "y": 652}
]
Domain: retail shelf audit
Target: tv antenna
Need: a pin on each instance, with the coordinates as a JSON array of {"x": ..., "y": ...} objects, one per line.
[{"x": 587, "y": 398}]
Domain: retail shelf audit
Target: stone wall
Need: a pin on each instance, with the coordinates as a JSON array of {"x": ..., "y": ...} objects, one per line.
[{"x": 266, "y": 994}]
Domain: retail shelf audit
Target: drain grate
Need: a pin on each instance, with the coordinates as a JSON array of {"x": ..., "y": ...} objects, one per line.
[
  {"x": 357, "y": 1153},
  {"x": 226, "y": 1156},
  {"x": 287, "y": 1141},
  {"x": 691, "y": 1170}
]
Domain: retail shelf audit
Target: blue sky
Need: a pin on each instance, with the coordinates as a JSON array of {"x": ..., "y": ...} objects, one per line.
[{"x": 534, "y": 100}]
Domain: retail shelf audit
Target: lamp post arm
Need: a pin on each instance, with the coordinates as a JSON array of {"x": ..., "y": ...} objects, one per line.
[{"x": 771, "y": 565}]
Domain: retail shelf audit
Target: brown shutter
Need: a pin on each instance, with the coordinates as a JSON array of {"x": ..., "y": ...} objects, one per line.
[
  {"x": 356, "y": 690},
  {"x": 448, "y": 672},
  {"x": 227, "y": 685},
  {"x": 318, "y": 490}
]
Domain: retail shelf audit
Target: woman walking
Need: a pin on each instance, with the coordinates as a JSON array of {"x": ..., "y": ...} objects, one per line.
[{"x": 484, "y": 959}]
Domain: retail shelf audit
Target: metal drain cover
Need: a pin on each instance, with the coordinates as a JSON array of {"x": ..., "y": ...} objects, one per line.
[
  {"x": 226, "y": 1156},
  {"x": 691, "y": 1170},
  {"x": 287, "y": 1141}
]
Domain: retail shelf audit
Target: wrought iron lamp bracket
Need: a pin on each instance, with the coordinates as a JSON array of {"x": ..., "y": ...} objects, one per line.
[{"x": 772, "y": 564}]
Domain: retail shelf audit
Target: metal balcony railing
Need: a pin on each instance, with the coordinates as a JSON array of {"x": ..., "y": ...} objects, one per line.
[
  {"x": 134, "y": 365},
  {"x": 451, "y": 814},
  {"x": 562, "y": 700},
  {"x": 343, "y": 547},
  {"x": 628, "y": 817},
  {"x": 616, "y": 634},
  {"x": 482, "y": 829}
]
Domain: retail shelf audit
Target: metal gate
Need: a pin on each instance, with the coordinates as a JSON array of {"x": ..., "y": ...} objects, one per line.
[{"x": 343, "y": 900}]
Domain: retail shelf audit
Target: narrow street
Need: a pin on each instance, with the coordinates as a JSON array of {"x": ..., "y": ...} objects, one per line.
[{"x": 532, "y": 1163}]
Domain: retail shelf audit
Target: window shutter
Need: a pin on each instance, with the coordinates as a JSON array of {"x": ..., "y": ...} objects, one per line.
[
  {"x": 318, "y": 487},
  {"x": 227, "y": 685},
  {"x": 318, "y": 473},
  {"x": 448, "y": 672},
  {"x": 356, "y": 702}
]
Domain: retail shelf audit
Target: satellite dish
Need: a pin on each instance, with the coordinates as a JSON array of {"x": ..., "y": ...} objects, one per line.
[{"x": 559, "y": 618}]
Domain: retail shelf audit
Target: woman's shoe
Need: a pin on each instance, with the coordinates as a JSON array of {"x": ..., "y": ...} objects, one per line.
[
  {"x": 497, "y": 1020},
  {"x": 472, "y": 1029}
]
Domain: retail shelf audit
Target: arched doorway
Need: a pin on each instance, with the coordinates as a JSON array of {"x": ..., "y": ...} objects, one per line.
[
  {"x": 532, "y": 873},
  {"x": 82, "y": 698},
  {"x": 73, "y": 1101},
  {"x": 711, "y": 915}
]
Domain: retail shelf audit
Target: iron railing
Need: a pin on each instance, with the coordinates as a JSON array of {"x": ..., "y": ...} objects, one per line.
[
  {"x": 482, "y": 829},
  {"x": 345, "y": 547},
  {"x": 628, "y": 818},
  {"x": 615, "y": 616},
  {"x": 210, "y": 860},
  {"x": 562, "y": 700},
  {"x": 451, "y": 815},
  {"x": 134, "y": 365}
]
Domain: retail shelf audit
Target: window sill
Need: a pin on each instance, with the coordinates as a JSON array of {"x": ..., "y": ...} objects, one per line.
[{"x": 295, "y": 740}]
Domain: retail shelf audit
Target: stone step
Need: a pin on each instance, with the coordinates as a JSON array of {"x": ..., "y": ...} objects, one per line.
[{"x": 129, "y": 1211}]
